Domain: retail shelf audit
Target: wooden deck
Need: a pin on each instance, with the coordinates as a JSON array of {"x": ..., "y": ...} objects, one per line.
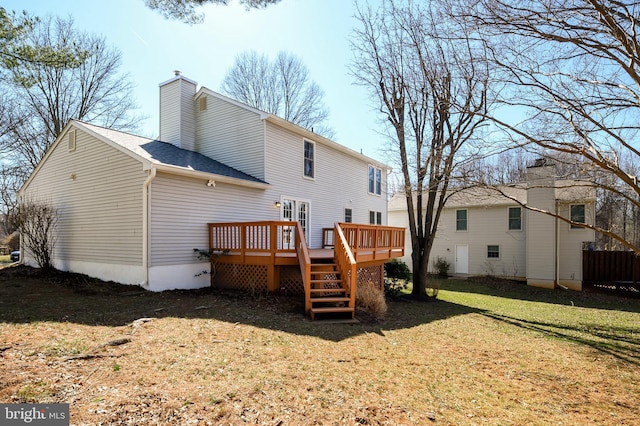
[{"x": 329, "y": 274}]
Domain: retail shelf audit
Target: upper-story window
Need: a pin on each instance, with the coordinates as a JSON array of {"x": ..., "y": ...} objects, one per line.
[
  {"x": 461, "y": 220},
  {"x": 375, "y": 180},
  {"x": 515, "y": 218},
  {"x": 309, "y": 159},
  {"x": 577, "y": 215}
]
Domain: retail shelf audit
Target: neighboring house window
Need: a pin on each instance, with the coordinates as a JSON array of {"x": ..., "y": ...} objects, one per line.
[
  {"x": 515, "y": 218},
  {"x": 309, "y": 157},
  {"x": 375, "y": 218},
  {"x": 493, "y": 252},
  {"x": 375, "y": 180},
  {"x": 461, "y": 220},
  {"x": 577, "y": 215},
  {"x": 348, "y": 215}
]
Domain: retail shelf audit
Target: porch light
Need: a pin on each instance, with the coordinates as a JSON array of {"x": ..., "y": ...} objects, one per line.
[{"x": 277, "y": 204}]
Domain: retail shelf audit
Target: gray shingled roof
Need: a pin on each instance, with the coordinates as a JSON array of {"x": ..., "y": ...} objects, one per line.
[
  {"x": 159, "y": 152},
  {"x": 169, "y": 154}
]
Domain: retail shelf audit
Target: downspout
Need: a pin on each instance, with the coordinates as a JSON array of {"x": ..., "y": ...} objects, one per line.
[
  {"x": 556, "y": 281},
  {"x": 145, "y": 227}
]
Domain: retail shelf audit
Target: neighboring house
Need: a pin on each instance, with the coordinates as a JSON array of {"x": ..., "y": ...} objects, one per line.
[
  {"x": 133, "y": 209},
  {"x": 484, "y": 231}
]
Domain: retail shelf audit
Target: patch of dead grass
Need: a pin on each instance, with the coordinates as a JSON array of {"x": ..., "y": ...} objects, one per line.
[{"x": 243, "y": 360}]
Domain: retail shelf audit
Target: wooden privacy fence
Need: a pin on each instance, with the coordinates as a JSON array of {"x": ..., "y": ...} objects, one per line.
[{"x": 610, "y": 266}]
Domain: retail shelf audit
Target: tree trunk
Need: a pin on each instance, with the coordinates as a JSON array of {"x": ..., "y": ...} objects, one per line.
[{"x": 420, "y": 260}]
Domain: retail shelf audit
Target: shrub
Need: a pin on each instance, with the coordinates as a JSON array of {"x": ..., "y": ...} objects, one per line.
[
  {"x": 37, "y": 221},
  {"x": 441, "y": 265},
  {"x": 370, "y": 298},
  {"x": 397, "y": 277}
]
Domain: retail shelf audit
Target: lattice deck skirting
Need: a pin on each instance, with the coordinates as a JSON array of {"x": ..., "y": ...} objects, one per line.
[
  {"x": 249, "y": 278},
  {"x": 253, "y": 278}
]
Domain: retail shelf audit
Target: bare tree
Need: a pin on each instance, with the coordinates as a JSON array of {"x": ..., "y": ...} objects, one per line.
[
  {"x": 431, "y": 82},
  {"x": 185, "y": 10},
  {"x": 283, "y": 88},
  {"x": 572, "y": 69},
  {"x": 36, "y": 221},
  {"x": 44, "y": 97}
]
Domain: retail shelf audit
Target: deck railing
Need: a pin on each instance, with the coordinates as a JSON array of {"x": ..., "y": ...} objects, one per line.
[
  {"x": 346, "y": 263},
  {"x": 305, "y": 265},
  {"x": 374, "y": 242},
  {"x": 268, "y": 238}
]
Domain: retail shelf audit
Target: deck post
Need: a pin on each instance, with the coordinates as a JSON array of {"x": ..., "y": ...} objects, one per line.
[{"x": 273, "y": 278}]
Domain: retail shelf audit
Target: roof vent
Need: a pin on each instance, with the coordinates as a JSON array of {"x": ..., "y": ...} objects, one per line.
[{"x": 177, "y": 72}]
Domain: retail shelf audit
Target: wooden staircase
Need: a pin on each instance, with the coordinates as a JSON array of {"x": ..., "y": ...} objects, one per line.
[{"x": 329, "y": 292}]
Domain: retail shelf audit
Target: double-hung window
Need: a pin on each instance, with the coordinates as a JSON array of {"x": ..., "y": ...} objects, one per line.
[
  {"x": 375, "y": 180},
  {"x": 461, "y": 220},
  {"x": 348, "y": 215},
  {"x": 577, "y": 215},
  {"x": 493, "y": 251},
  {"x": 515, "y": 219},
  {"x": 375, "y": 218},
  {"x": 309, "y": 159}
]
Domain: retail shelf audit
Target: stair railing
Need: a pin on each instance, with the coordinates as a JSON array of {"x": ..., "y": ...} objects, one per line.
[
  {"x": 346, "y": 263},
  {"x": 305, "y": 265}
]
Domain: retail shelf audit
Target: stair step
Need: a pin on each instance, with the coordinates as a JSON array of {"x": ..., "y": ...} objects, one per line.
[
  {"x": 336, "y": 281},
  {"x": 315, "y": 311},
  {"x": 328, "y": 290},
  {"x": 334, "y": 299}
]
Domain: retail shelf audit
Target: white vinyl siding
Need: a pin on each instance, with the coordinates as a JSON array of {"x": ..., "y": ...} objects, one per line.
[
  {"x": 232, "y": 135},
  {"x": 340, "y": 183},
  {"x": 570, "y": 268},
  {"x": 181, "y": 207},
  {"x": 98, "y": 193},
  {"x": 485, "y": 227},
  {"x": 541, "y": 233},
  {"x": 177, "y": 114}
]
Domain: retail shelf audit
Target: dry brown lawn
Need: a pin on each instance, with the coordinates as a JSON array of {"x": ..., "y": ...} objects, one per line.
[{"x": 482, "y": 354}]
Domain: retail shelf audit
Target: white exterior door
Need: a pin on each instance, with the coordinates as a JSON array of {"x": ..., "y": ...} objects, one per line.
[
  {"x": 462, "y": 259},
  {"x": 296, "y": 211}
]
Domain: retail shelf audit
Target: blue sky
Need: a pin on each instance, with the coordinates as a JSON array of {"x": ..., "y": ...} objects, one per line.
[{"x": 315, "y": 30}]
